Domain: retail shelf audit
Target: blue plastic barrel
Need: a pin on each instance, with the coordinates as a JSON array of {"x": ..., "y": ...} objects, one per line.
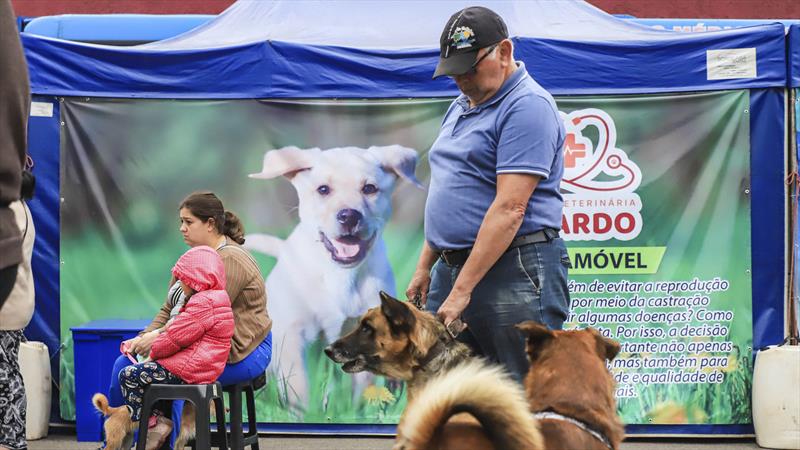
[{"x": 96, "y": 347}]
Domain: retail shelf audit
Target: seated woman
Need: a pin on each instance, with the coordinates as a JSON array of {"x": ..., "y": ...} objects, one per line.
[{"x": 204, "y": 221}]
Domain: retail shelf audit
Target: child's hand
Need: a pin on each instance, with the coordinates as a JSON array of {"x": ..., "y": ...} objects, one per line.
[
  {"x": 129, "y": 343},
  {"x": 142, "y": 346}
]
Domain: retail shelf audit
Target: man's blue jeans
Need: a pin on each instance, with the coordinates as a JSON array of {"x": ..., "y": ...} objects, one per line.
[{"x": 526, "y": 283}]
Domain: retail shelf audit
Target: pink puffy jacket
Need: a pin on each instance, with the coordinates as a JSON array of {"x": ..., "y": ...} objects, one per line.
[{"x": 196, "y": 345}]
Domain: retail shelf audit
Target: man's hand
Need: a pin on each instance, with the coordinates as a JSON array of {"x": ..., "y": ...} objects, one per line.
[
  {"x": 453, "y": 306},
  {"x": 145, "y": 341},
  {"x": 418, "y": 286}
]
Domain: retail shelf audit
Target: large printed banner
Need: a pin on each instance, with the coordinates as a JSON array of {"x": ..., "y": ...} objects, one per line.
[{"x": 656, "y": 218}]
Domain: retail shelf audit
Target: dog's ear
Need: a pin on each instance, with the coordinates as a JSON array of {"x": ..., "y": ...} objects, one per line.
[
  {"x": 536, "y": 337},
  {"x": 286, "y": 161},
  {"x": 398, "y": 159},
  {"x": 400, "y": 318},
  {"x": 606, "y": 348}
]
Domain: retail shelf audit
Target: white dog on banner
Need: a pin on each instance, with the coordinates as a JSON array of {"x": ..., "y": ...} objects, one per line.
[{"x": 334, "y": 263}]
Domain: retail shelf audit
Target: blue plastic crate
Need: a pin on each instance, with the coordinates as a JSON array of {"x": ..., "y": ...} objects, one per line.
[{"x": 96, "y": 347}]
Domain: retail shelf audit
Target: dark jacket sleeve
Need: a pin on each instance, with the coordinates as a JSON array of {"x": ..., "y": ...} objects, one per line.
[{"x": 14, "y": 106}]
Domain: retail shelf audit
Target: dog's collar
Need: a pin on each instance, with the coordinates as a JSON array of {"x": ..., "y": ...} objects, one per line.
[
  {"x": 433, "y": 352},
  {"x": 556, "y": 416}
]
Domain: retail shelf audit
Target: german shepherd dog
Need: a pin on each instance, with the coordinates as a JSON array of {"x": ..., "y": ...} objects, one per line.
[{"x": 480, "y": 408}]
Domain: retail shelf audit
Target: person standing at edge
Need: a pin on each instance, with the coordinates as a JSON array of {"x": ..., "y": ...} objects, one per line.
[
  {"x": 14, "y": 107},
  {"x": 492, "y": 253}
]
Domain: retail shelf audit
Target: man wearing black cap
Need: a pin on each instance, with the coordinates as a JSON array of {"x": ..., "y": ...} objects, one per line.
[{"x": 492, "y": 254}]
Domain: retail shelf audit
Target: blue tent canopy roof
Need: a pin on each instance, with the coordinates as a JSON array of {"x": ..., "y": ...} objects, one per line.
[
  {"x": 354, "y": 49},
  {"x": 118, "y": 28},
  {"x": 397, "y": 24}
]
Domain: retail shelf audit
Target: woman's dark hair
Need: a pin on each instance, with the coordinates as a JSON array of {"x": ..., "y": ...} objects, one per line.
[{"x": 205, "y": 206}]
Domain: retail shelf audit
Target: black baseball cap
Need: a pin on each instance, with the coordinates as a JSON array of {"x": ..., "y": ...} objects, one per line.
[{"x": 468, "y": 31}]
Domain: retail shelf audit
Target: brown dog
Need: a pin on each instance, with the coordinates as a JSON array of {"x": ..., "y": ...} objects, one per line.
[
  {"x": 570, "y": 390},
  {"x": 399, "y": 341},
  {"x": 119, "y": 427}
]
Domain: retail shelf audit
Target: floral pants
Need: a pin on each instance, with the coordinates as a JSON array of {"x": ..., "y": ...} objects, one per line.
[
  {"x": 133, "y": 379},
  {"x": 12, "y": 392}
]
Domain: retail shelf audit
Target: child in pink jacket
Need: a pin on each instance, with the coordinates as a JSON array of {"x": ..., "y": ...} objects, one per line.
[{"x": 195, "y": 346}]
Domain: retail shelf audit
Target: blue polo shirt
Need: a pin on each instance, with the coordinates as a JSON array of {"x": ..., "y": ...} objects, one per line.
[{"x": 516, "y": 131}]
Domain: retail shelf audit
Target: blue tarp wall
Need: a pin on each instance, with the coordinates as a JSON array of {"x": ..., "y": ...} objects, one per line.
[{"x": 353, "y": 49}]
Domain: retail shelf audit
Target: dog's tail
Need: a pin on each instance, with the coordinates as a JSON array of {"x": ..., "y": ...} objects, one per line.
[
  {"x": 484, "y": 391},
  {"x": 100, "y": 402},
  {"x": 264, "y": 243}
]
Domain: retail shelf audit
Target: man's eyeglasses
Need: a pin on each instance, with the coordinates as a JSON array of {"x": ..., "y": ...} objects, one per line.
[{"x": 474, "y": 67}]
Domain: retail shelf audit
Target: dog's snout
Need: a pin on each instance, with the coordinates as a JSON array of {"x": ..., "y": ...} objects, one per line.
[
  {"x": 333, "y": 351},
  {"x": 349, "y": 218}
]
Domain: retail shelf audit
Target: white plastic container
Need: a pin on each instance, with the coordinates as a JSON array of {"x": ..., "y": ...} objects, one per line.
[
  {"x": 34, "y": 363},
  {"x": 776, "y": 397}
]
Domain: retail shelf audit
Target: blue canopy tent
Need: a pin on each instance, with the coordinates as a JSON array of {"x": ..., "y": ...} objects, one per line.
[
  {"x": 388, "y": 50},
  {"x": 239, "y": 55}
]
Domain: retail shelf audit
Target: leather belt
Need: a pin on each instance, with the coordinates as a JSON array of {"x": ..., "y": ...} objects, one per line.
[{"x": 459, "y": 257}]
